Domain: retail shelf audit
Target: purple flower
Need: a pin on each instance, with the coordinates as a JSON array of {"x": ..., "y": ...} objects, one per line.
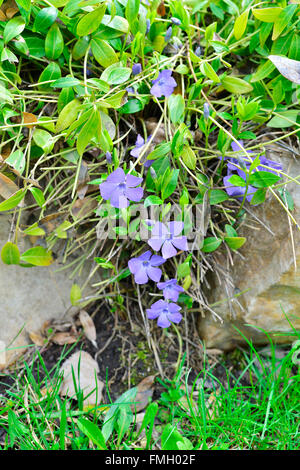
[
  {"x": 163, "y": 85},
  {"x": 168, "y": 34},
  {"x": 136, "y": 69},
  {"x": 170, "y": 289},
  {"x": 206, "y": 110},
  {"x": 139, "y": 144},
  {"x": 130, "y": 89},
  {"x": 165, "y": 313},
  {"x": 168, "y": 239},
  {"x": 144, "y": 267},
  {"x": 175, "y": 21},
  {"x": 238, "y": 191},
  {"x": 121, "y": 189}
]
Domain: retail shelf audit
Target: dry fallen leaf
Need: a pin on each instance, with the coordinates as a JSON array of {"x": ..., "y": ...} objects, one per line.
[
  {"x": 29, "y": 119},
  {"x": 83, "y": 179},
  {"x": 37, "y": 338},
  {"x": 85, "y": 370},
  {"x": 7, "y": 187},
  {"x": 82, "y": 207},
  {"x": 289, "y": 68},
  {"x": 88, "y": 327},
  {"x": 63, "y": 338},
  {"x": 144, "y": 392}
]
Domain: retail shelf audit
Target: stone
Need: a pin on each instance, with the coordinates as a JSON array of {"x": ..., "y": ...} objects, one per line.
[
  {"x": 29, "y": 297},
  {"x": 265, "y": 268}
]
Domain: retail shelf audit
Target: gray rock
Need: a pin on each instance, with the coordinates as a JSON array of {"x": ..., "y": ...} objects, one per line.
[
  {"x": 266, "y": 270},
  {"x": 29, "y": 297}
]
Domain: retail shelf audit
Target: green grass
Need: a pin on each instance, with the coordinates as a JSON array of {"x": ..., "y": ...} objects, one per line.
[{"x": 259, "y": 409}]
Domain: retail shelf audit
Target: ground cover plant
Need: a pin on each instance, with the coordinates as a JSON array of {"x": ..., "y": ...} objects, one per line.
[{"x": 133, "y": 136}]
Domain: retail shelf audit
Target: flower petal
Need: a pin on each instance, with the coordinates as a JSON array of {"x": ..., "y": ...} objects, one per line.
[
  {"x": 168, "y": 250},
  {"x": 133, "y": 181},
  {"x": 141, "y": 276},
  {"x": 134, "y": 194},
  {"x": 117, "y": 176},
  {"x": 180, "y": 243},
  {"x": 154, "y": 273},
  {"x": 175, "y": 228}
]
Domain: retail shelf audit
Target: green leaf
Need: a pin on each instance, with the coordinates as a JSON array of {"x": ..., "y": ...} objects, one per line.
[
  {"x": 65, "y": 82},
  {"x": 236, "y": 180},
  {"x": 240, "y": 25},
  {"x": 284, "y": 119},
  {"x": 26, "y": 4},
  {"x": 258, "y": 197},
  {"x": 80, "y": 48},
  {"x": 170, "y": 438},
  {"x": 13, "y": 200},
  {"x": 235, "y": 242},
  {"x": 91, "y": 21},
  {"x": 231, "y": 232},
  {"x": 209, "y": 72},
  {"x": 68, "y": 115},
  {"x": 44, "y": 19},
  {"x": 161, "y": 150},
  {"x": 10, "y": 253},
  {"x": 268, "y": 15},
  {"x": 13, "y": 28},
  {"x": 17, "y": 161},
  {"x": 92, "y": 431},
  {"x": 38, "y": 196},
  {"x": 263, "y": 179},
  {"x": 91, "y": 129},
  {"x": 189, "y": 157},
  {"x": 118, "y": 75},
  {"x": 51, "y": 72},
  {"x": 236, "y": 85},
  {"x": 43, "y": 139},
  {"x": 38, "y": 256},
  {"x": 103, "y": 52},
  {"x": 54, "y": 42},
  {"x": 132, "y": 10},
  {"x": 176, "y": 107},
  {"x": 211, "y": 244},
  {"x": 216, "y": 196},
  {"x": 132, "y": 106},
  {"x": 169, "y": 183},
  {"x": 152, "y": 201},
  {"x": 283, "y": 20},
  {"x": 263, "y": 70},
  {"x": 34, "y": 230},
  {"x": 75, "y": 294}
]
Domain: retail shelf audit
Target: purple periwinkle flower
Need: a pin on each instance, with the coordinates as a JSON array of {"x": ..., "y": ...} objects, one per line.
[
  {"x": 163, "y": 85},
  {"x": 145, "y": 267},
  {"x": 269, "y": 165},
  {"x": 120, "y": 189},
  {"x": 238, "y": 191},
  {"x": 130, "y": 89},
  {"x": 168, "y": 239},
  {"x": 170, "y": 289},
  {"x": 136, "y": 69},
  {"x": 206, "y": 110},
  {"x": 165, "y": 312},
  {"x": 139, "y": 144},
  {"x": 168, "y": 34},
  {"x": 176, "y": 21}
]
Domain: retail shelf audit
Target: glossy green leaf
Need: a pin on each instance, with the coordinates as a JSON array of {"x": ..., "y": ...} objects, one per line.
[
  {"x": 176, "y": 106},
  {"x": 236, "y": 85},
  {"x": 240, "y": 25},
  {"x": 54, "y": 42},
  {"x": 91, "y": 21},
  {"x": 17, "y": 160},
  {"x": 91, "y": 129},
  {"x": 118, "y": 75},
  {"x": 235, "y": 242},
  {"x": 38, "y": 196},
  {"x": 284, "y": 119},
  {"x": 38, "y": 256},
  {"x": 12, "y": 201},
  {"x": 45, "y": 19},
  {"x": 75, "y": 294},
  {"x": 103, "y": 52},
  {"x": 263, "y": 179},
  {"x": 65, "y": 82},
  {"x": 50, "y": 73},
  {"x": 268, "y": 15},
  {"x": 68, "y": 115},
  {"x": 13, "y": 28},
  {"x": 216, "y": 196},
  {"x": 211, "y": 244},
  {"x": 10, "y": 253},
  {"x": 189, "y": 157},
  {"x": 209, "y": 72}
]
